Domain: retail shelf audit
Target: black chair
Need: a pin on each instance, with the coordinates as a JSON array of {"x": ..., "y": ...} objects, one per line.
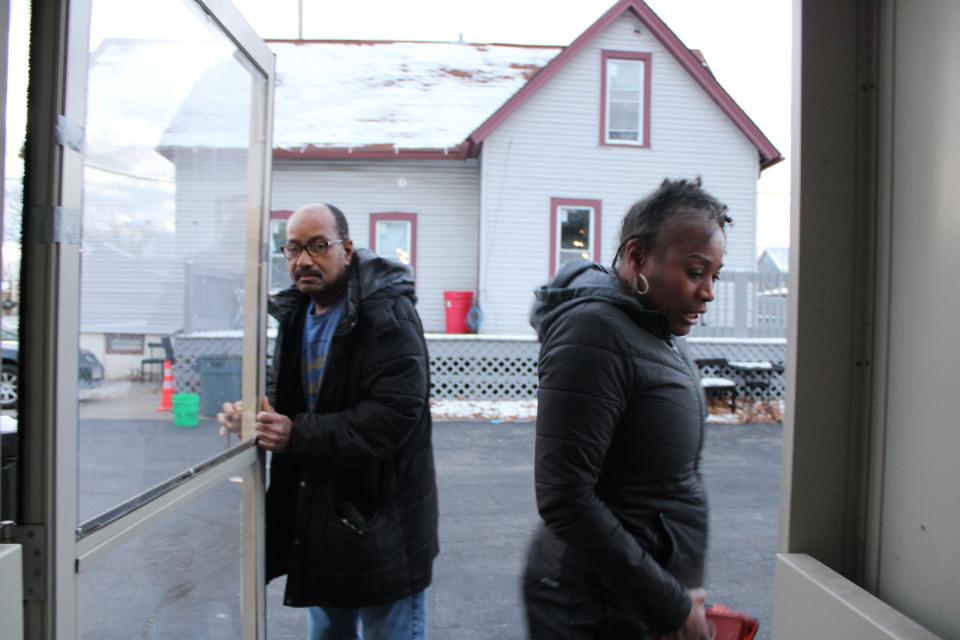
[
  {"x": 716, "y": 386},
  {"x": 167, "y": 344}
]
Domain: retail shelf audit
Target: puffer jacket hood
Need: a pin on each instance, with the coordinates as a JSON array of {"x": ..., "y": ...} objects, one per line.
[
  {"x": 370, "y": 278},
  {"x": 579, "y": 282}
]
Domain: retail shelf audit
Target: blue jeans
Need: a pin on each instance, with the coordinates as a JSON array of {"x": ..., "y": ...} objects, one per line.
[{"x": 404, "y": 619}]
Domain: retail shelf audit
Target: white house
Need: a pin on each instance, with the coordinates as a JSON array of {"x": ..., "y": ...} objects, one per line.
[
  {"x": 489, "y": 165},
  {"x": 483, "y": 166}
]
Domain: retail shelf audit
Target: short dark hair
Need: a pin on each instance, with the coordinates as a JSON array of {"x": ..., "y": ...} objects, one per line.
[
  {"x": 343, "y": 229},
  {"x": 674, "y": 197}
]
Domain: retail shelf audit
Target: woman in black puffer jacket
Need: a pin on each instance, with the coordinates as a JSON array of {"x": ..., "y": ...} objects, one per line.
[{"x": 620, "y": 553}]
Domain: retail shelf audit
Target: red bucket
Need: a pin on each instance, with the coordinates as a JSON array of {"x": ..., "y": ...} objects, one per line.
[
  {"x": 729, "y": 624},
  {"x": 457, "y": 305}
]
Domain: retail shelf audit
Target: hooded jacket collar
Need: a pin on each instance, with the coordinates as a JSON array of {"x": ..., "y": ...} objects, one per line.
[
  {"x": 579, "y": 282},
  {"x": 373, "y": 285}
]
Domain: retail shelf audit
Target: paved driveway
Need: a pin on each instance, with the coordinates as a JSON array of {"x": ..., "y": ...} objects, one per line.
[
  {"x": 487, "y": 509},
  {"x": 180, "y": 578}
]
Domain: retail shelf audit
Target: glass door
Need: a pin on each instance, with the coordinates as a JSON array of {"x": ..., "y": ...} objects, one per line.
[{"x": 147, "y": 265}]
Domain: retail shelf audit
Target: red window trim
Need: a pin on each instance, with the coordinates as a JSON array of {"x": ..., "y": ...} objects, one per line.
[
  {"x": 625, "y": 55},
  {"x": 395, "y": 215},
  {"x": 280, "y": 214},
  {"x": 595, "y": 232}
]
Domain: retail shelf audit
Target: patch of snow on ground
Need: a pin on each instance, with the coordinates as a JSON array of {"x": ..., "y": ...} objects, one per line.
[
  {"x": 494, "y": 410},
  {"x": 748, "y": 412},
  {"x": 724, "y": 418},
  {"x": 526, "y": 411}
]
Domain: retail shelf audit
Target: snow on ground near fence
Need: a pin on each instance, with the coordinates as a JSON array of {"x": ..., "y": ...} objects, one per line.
[
  {"x": 499, "y": 410},
  {"x": 526, "y": 411}
]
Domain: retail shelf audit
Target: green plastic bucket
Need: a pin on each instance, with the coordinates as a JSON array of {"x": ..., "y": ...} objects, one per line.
[{"x": 186, "y": 410}]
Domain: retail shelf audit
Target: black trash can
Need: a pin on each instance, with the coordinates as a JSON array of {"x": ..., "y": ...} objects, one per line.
[
  {"x": 8, "y": 475},
  {"x": 219, "y": 382}
]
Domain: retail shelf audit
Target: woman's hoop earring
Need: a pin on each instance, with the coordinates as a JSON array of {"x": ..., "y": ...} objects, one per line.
[{"x": 641, "y": 291}]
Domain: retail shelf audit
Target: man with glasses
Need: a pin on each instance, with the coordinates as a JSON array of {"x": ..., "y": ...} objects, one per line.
[{"x": 352, "y": 501}]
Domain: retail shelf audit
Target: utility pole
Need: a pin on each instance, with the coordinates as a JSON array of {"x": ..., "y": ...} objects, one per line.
[{"x": 300, "y": 21}]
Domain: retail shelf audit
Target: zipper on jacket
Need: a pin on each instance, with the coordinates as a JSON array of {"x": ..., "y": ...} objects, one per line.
[{"x": 352, "y": 526}]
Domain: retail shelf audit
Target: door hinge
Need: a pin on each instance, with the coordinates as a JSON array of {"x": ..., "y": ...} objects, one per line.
[{"x": 33, "y": 539}]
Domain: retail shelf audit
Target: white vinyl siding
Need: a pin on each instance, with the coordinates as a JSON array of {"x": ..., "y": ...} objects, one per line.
[
  {"x": 139, "y": 287},
  {"x": 126, "y": 267},
  {"x": 549, "y": 148},
  {"x": 444, "y": 194}
]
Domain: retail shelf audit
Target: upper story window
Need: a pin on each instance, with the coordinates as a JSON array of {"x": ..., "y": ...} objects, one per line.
[
  {"x": 574, "y": 231},
  {"x": 394, "y": 236},
  {"x": 625, "y": 92}
]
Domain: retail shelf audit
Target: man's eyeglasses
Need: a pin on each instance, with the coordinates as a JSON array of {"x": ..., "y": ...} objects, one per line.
[{"x": 315, "y": 249}]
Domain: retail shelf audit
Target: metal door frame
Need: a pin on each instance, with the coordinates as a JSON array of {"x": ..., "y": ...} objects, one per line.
[{"x": 53, "y": 203}]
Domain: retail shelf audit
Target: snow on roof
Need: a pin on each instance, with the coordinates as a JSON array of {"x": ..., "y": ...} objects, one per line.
[
  {"x": 408, "y": 95},
  {"x": 329, "y": 94},
  {"x": 135, "y": 89},
  {"x": 217, "y": 113}
]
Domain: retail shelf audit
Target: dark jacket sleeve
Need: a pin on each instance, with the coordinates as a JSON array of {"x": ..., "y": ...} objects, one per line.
[
  {"x": 271, "y": 377},
  {"x": 393, "y": 395},
  {"x": 586, "y": 381}
]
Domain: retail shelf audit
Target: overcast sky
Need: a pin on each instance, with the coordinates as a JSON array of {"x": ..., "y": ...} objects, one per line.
[{"x": 746, "y": 43}]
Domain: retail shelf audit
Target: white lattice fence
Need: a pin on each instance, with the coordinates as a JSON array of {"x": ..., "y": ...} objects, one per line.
[
  {"x": 480, "y": 367},
  {"x": 477, "y": 367},
  {"x": 189, "y": 350},
  {"x": 505, "y": 368}
]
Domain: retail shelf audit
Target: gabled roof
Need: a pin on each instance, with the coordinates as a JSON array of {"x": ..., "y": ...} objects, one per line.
[
  {"x": 769, "y": 155},
  {"x": 392, "y": 100},
  {"x": 387, "y": 99}
]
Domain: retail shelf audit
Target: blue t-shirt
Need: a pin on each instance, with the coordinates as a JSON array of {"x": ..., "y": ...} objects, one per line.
[{"x": 317, "y": 333}]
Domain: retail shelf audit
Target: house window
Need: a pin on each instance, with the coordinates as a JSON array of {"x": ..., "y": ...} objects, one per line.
[
  {"x": 278, "y": 278},
  {"x": 625, "y": 92},
  {"x": 574, "y": 231},
  {"x": 394, "y": 236}
]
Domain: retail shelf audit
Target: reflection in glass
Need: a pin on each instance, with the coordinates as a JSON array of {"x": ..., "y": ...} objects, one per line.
[
  {"x": 393, "y": 240},
  {"x": 279, "y": 277},
  {"x": 180, "y": 578},
  {"x": 575, "y": 240},
  {"x": 169, "y": 176}
]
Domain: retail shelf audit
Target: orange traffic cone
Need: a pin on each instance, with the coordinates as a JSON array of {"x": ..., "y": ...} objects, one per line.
[{"x": 166, "y": 394}]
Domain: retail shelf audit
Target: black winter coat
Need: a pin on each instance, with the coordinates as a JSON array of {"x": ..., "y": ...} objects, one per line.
[
  {"x": 619, "y": 433},
  {"x": 352, "y": 506}
]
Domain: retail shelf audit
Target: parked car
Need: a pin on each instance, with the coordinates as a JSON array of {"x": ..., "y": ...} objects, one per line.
[{"x": 90, "y": 374}]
